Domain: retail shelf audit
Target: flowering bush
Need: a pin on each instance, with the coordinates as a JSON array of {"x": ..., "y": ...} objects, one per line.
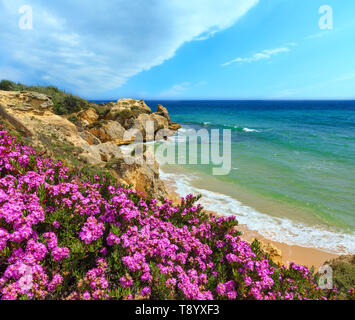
[{"x": 64, "y": 238}]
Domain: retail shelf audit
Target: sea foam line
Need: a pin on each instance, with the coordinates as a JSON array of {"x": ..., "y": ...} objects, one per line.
[{"x": 276, "y": 229}]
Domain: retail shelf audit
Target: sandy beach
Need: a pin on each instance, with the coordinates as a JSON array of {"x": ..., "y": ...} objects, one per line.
[{"x": 290, "y": 253}]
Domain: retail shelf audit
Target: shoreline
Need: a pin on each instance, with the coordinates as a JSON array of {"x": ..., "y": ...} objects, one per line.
[{"x": 290, "y": 253}]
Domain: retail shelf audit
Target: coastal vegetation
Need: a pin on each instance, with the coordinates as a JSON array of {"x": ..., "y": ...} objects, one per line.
[{"x": 62, "y": 237}]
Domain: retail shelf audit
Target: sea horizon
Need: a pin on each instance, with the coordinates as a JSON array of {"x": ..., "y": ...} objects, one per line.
[{"x": 159, "y": 101}]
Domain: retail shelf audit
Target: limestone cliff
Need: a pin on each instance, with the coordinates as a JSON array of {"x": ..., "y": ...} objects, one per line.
[{"x": 93, "y": 136}]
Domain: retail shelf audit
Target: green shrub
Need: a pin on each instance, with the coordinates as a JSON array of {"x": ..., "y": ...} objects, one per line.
[
  {"x": 344, "y": 276},
  {"x": 102, "y": 110},
  {"x": 69, "y": 104},
  {"x": 125, "y": 114},
  {"x": 7, "y": 85},
  {"x": 74, "y": 119}
]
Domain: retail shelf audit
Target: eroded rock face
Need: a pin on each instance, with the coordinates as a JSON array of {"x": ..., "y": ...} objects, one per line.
[
  {"x": 25, "y": 101},
  {"x": 89, "y": 138},
  {"x": 141, "y": 176},
  {"x": 160, "y": 122},
  {"x": 88, "y": 117},
  {"x": 272, "y": 251},
  {"x": 162, "y": 111},
  {"x": 102, "y": 153},
  {"x": 156, "y": 122},
  {"x": 108, "y": 131},
  {"x": 124, "y": 142}
]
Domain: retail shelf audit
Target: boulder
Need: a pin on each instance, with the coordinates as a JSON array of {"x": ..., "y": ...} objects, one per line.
[
  {"x": 157, "y": 121},
  {"x": 174, "y": 126},
  {"x": 162, "y": 111},
  {"x": 88, "y": 117},
  {"x": 140, "y": 176},
  {"x": 160, "y": 122},
  {"x": 141, "y": 125},
  {"x": 89, "y": 138},
  {"x": 121, "y": 142},
  {"x": 108, "y": 131},
  {"x": 102, "y": 153}
]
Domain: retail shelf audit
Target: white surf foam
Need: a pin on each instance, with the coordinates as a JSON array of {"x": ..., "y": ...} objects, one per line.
[
  {"x": 273, "y": 228},
  {"x": 250, "y": 130}
]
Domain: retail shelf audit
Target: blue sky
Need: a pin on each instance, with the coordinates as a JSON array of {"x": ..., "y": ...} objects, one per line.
[{"x": 182, "y": 49}]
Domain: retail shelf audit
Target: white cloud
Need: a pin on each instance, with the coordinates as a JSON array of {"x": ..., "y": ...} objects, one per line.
[
  {"x": 346, "y": 77},
  {"x": 180, "y": 88},
  {"x": 264, "y": 55},
  {"x": 320, "y": 34},
  {"x": 91, "y": 46},
  {"x": 176, "y": 89}
]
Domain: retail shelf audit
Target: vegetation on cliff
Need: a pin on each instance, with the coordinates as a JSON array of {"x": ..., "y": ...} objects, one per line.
[
  {"x": 65, "y": 238},
  {"x": 64, "y": 103}
]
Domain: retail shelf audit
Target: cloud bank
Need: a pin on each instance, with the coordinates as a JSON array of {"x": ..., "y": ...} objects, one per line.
[{"x": 87, "y": 45}]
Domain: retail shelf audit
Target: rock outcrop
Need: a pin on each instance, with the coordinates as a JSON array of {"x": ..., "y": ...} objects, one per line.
[
  {"x": 174, "y": 126},
  {"x": 271, "y": 251},
  {"x": 108, "y": 131},
  {"x": 162, "y": 111},
  {"x": 94, "y": 137},
  {"x": 142, "y": 177},
  {"x": 124, "y": 108},
  {"x": 88, "y": 117},
  {"x": 26, "y": 101},
  {"x": 135, "y": 114}
]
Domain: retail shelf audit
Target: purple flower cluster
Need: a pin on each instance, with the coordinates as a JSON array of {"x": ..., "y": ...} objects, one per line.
[
  {"x": 92, "y": 230},
  {"x": 63, "y": 238}
]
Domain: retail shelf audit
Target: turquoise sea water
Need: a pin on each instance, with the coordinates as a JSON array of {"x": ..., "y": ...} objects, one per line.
[{"x": 293, "y": 167}]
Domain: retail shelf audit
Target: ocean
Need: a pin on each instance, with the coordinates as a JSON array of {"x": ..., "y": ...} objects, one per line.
[
  {"x": 292, "y": 175},
  {"x": 293, "y": 168}
]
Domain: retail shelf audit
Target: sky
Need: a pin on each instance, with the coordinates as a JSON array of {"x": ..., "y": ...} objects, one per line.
[{"x": 182, "y": 49}]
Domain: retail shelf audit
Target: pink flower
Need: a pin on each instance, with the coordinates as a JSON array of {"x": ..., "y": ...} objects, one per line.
[
  {"x": 86, "y": 295},
  {"x": 56, "y": 224},
  {"x": 59, "y": 254},
  {"x": 145, "y": 291}
]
